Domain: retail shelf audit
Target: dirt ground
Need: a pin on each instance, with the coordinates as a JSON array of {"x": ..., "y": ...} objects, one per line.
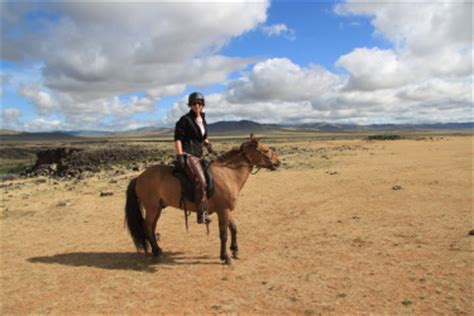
[{"x": 344, "y": 226}]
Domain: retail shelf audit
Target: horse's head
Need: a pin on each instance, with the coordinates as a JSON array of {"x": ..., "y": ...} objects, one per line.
[{"x": 259, "y": 154}]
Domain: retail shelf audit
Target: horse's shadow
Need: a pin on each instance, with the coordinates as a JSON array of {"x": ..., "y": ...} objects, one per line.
[{"x": 121, "y": 260}]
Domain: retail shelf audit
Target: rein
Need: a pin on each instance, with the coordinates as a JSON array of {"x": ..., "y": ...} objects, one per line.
[
  {"x": 249, "y": 164},
  {"x": 256, "y": 171},
  {"x": 228, "y": 164}
]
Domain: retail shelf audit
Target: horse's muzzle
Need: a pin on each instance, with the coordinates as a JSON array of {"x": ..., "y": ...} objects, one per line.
[{"x": 275, "y": 165}]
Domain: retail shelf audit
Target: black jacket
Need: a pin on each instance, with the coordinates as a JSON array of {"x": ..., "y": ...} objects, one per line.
[{"x": 189, "y": 133}]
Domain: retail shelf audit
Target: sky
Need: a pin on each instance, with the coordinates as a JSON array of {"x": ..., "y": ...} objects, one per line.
[{"x": 118, "y": 65}]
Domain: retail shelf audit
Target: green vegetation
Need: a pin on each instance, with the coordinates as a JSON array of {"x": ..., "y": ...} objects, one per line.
[
  {"x": 385, "y": 137},
  {"x": 14, "y": 167},
  {"x": 407, "y": 302}
]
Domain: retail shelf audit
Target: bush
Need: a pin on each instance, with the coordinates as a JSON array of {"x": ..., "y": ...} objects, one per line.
[{"x": 385, "y": 137}]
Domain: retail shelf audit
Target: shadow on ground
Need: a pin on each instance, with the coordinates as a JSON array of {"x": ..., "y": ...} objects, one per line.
[{"x": 122, "y": 260}]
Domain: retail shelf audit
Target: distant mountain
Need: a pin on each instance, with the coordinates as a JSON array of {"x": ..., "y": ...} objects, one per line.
[
  {"x": 87, "y": 133},
  {"x": 244, "y": 126},
  {"x": 330, "y": 127},
  {"x": 8, "y": 132},
  {"x": 136, "y": 132},
  {"x": 49, "y": 136},
  {"x": 240, "y": 126},
  {"x": 154, "y": 129},
  {"x": 466, "y": 125}
]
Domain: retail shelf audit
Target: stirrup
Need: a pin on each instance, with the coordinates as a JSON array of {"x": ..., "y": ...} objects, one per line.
[{"x": 203, "y": 218}]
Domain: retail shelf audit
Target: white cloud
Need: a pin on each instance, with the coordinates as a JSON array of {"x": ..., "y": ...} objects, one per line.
[
  {"x": 421, "y": 29},
  {"x": 100, "y": 108},
  {"x": 279, "y": 30},
  {"x": 431, "y": 41},
  {"x": 279, "y": 79},
  {"x": 41, "y": 99},
  {"x": 10, "y": 114},
  {"x": 279, "y": 91},
  {"x": 116, "y": 48},
  {"x": 95, "y": 60},
  {"x": 91, "y": 55},
  {"x": 43, "y": 125},
  {"x": 10, "y": 118}
]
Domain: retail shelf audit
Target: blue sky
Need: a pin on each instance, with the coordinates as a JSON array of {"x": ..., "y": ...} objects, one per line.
[{"x": 119, "y": 65}]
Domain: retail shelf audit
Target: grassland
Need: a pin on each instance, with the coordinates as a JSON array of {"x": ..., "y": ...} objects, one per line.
[{"x": 345, "y": 226}]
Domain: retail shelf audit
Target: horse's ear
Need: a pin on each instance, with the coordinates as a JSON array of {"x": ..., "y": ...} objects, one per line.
[{"x": 253, "y": 139}]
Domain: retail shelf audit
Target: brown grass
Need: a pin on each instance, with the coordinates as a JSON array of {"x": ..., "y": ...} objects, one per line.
[{"x": 328, "y": 233}]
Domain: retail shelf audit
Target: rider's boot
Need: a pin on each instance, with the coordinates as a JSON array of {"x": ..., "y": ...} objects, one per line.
[{"x": 203, "y": 216}]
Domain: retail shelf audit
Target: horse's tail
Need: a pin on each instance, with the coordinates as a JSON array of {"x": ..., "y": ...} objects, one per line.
[{"x": 134, "y": 217}]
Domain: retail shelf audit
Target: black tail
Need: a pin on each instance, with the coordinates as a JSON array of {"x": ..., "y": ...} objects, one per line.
[{"x": 134, "y": 217}]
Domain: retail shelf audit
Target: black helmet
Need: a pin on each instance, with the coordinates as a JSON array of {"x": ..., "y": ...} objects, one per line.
[{"x": 196, "y": 96}]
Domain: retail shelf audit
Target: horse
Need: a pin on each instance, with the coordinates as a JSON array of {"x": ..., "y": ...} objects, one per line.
[{"x": 156, "y": 188}]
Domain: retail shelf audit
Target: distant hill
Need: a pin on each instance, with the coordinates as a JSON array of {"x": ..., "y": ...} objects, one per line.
[
  {"x": 8, "y": 132},
  {"x": 240, "y": 126},
  {"x": 244, "y": 126},
  {"x": 330, "y": 127},
  {"x": 43, "y": 136},
  {"x": 136, "y": 132},
  {"x": 87, "y": 133}
]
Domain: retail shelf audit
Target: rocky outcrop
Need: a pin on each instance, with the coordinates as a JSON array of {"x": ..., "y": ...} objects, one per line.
[{"x": 79, "y": 162}]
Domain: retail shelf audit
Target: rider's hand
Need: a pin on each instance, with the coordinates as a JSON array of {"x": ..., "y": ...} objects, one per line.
[
  {"x": 180, "y": 162},
  {"x": 209, "y": 148}
]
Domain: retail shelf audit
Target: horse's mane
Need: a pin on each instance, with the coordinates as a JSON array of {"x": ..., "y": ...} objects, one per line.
[{"x": 227, "y": 156}]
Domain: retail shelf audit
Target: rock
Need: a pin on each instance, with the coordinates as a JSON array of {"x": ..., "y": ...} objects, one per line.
[
  {"x": 396, "y": 187},
  {"x": 471, "y": 233},
  {"x": 63, "y": 203},
  {"x": 106, "y": 193},
  {"x": 9, "y": 177}
]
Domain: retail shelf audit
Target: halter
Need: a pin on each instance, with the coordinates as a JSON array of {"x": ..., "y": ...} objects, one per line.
[{"x": 249, "y": 164}]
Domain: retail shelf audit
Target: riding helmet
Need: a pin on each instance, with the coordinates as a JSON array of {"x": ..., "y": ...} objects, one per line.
[{"x": 196, "y": 96}]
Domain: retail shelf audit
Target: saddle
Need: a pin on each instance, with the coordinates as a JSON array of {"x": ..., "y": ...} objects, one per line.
[{"x": 187, "y": 187}]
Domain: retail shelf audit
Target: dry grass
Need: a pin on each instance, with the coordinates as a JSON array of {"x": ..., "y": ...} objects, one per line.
[{"x": 327, "y": 233}]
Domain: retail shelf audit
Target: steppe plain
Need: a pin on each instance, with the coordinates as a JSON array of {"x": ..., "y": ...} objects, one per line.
[{"x": 345, "y": 226}]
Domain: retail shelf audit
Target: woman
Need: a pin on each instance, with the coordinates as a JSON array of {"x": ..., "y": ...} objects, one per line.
[{"x": 190, "y": 136}]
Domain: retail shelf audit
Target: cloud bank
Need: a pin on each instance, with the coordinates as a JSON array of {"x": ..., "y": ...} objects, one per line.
[
  {"x": 101, "y": 65},
  {"x": 94, "y": 56},
  {"x": 426, "y": 77}
]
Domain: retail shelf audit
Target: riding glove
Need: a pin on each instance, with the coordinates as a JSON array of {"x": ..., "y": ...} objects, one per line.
[
  {"x": 209, "y": 148},
  {"x": 180, "y": 162}
]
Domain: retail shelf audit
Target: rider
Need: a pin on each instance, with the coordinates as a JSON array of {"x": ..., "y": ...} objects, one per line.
[{"x": 190, "y": 135}]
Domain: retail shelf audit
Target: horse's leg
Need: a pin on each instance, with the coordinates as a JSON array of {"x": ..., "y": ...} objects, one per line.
[
  {"x": 152, "y": 215},
  {"x": 155, "y": 222},
  {"x": 223, "y": 223},
  {"x": 234, "y": 247}
]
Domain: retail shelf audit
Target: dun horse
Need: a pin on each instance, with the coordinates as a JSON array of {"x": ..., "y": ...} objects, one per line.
[{"x": 157, "y": 188}]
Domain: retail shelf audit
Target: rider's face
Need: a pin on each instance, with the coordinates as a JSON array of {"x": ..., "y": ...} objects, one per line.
[{"x": 197, "y": 106}]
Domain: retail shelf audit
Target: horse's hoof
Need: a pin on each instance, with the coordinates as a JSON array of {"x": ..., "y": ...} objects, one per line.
[
  {"x": 235, "y": 255},
  {"x": 228, "y": 261},
  {"x": 157, "y": 253}
]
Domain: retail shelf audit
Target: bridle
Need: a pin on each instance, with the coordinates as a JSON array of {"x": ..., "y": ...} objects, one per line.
[
  {"x": 263, "y": 156},
  {"x": 249, "y": 162}
]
